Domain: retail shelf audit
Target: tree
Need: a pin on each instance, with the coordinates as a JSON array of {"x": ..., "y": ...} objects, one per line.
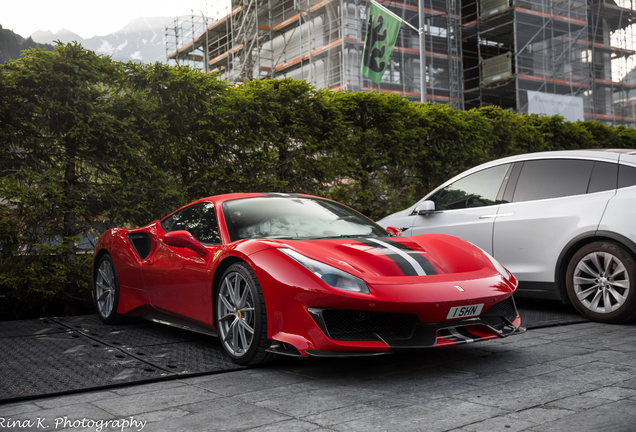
[
  {"x": 61, "y": 144},
  {"x": 282, "y": 138},
  {"x": 88, "y": 143},
  {"x": 183, "y": 121},
  {"x": 378, "y": 147},
  {"x": 454, "y": 141}
]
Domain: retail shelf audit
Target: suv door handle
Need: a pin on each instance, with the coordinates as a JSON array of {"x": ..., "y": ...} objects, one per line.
[{"x": 495, "y": 215}]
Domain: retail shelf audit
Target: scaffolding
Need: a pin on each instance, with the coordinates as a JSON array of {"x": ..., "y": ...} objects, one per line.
[
  {"x": 571, "y": 55},
  {"x": 321, "y": 41},
  {"x": 614, "y": 43},
  {"x": 576, "y": 56},
  {"x": 186, "y": 41}
]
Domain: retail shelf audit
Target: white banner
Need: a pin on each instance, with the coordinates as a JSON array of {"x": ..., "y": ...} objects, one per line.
[{"x": 569, "y": 107}]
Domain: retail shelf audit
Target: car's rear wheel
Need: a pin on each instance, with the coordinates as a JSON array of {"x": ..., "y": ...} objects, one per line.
[
  {"x": 241, "y": 317},
  {"x": 600, "y": 282},
  {"x": 106, "y": 291}
]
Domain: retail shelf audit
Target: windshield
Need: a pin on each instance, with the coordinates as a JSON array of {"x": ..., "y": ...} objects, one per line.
[{"x": 297, "y": 218}]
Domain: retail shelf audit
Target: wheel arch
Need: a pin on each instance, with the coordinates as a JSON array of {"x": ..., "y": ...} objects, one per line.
[{"x": 577, "y": 243}]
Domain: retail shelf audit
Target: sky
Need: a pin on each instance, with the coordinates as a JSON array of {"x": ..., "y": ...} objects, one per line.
[{"x": 89, "y": 18}]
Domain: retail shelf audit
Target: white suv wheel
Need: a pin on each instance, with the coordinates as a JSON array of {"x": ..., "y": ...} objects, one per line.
[{"x": 600, "y": 282}]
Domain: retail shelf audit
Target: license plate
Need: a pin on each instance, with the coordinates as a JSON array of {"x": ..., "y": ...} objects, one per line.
[{"x": 464, "y": 311}]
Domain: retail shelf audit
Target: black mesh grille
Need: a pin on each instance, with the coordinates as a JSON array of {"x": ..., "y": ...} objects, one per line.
[
  {"x": 353, "y": 325},
  {"x": 493, "y": 316}
]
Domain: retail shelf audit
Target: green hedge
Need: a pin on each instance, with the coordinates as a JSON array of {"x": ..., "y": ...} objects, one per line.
[{"x": 89, "y": 142}]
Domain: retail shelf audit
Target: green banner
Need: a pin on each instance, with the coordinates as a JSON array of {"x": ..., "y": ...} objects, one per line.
[{"x": 382, "y": 32}]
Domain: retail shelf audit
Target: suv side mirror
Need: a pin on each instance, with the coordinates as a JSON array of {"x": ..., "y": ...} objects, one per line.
[
  {"x": 425, "y": 208},
  {"x": 184, "y": 239}
]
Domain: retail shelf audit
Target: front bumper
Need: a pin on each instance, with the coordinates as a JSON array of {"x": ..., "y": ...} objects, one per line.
[{"x": 394, "y": 332}]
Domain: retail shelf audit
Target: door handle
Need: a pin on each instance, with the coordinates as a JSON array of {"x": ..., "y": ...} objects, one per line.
[
  {"x": 495, "y": 215},
  {"x": 149, "y": 261}
]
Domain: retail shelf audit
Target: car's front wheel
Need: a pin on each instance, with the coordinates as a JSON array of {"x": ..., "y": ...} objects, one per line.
[
  {"x": 600, "y": 282},
  {"x": 241, "y": 317}
]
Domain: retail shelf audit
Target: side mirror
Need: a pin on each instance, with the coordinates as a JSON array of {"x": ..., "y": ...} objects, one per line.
[
  {"x": 425, "y": 208},
  {"x": 394, "y": 231},
  {"x": 184, "y": 239}
]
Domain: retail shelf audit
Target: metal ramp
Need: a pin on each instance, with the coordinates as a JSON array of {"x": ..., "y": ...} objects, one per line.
[{"x": 54, "y": 356}]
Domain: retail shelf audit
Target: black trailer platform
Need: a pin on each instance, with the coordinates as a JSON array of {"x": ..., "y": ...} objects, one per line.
[{"x": 51, "y": 356}]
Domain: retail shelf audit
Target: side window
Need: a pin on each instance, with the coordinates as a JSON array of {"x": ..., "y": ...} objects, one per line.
[
  {"x": 604, "y": 177},
  {"x": 626, "y": 176},
  {"x": 199, "y": 220},
  {"x": 552, "y": 178},
  {"x": 177, "y": 221},
  {"x": 475, "y": 190}
]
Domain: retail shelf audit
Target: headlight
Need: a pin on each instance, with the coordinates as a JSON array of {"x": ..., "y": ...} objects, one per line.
[{"x": 329, "y": 275}]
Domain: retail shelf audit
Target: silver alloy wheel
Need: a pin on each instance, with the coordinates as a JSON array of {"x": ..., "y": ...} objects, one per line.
[
  {"x": 235, "y": 311},
  {"x": 105, "y": 289},
  {"x": 601, "y": 282}
]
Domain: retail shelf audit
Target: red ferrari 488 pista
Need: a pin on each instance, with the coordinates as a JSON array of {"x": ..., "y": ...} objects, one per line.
[{"x": 290, "y": 274}]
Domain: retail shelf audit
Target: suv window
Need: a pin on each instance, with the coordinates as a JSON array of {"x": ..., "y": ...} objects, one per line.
[
  {"x": 199, "y": 220},
  {"x": 626, "y": 176},
  {"x": 604, "y": 177},
  {"x": 475, "y": 190},
  {"x": 552, "y": 178}
]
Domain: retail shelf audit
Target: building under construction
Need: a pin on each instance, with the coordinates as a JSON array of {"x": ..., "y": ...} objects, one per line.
[{"x": 572, "y": 58}]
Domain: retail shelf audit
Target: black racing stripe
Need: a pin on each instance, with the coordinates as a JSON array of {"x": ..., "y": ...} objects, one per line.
[
  {"x": 417, "y": 256},
  {"x": 404, "y": 265}
]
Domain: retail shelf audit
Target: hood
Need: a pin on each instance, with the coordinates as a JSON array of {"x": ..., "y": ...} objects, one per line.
[{"x": 434, "y": 257}]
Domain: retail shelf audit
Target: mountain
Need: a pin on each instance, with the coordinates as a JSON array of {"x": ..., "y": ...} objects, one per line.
[
  {"x": 11, "y": 45},
  {"x": 141, "y": 40},
  {"x": 64, "y": 35}
]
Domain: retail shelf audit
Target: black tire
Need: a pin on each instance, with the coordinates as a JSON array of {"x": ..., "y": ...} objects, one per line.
[
  {"x": 242, "y": 324},
  {"x": 106, "y": 291},
  {"x": 600, "y": 281}
]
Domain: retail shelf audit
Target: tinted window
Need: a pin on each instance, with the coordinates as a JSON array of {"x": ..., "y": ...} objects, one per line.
[
  {"x": 199, "y": 220},
  {"x": 603, "y": 178},
  {"x": 555, "y": 178},
  {"x": 476, "y": 190},
  {"x": 626, "y": 176}
]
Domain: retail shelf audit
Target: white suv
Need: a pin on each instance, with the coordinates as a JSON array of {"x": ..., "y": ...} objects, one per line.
[{"x": 562, "y": 222}]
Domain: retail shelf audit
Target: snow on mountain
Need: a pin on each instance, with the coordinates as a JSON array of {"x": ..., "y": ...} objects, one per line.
[{"x": 141, "y": 40}]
